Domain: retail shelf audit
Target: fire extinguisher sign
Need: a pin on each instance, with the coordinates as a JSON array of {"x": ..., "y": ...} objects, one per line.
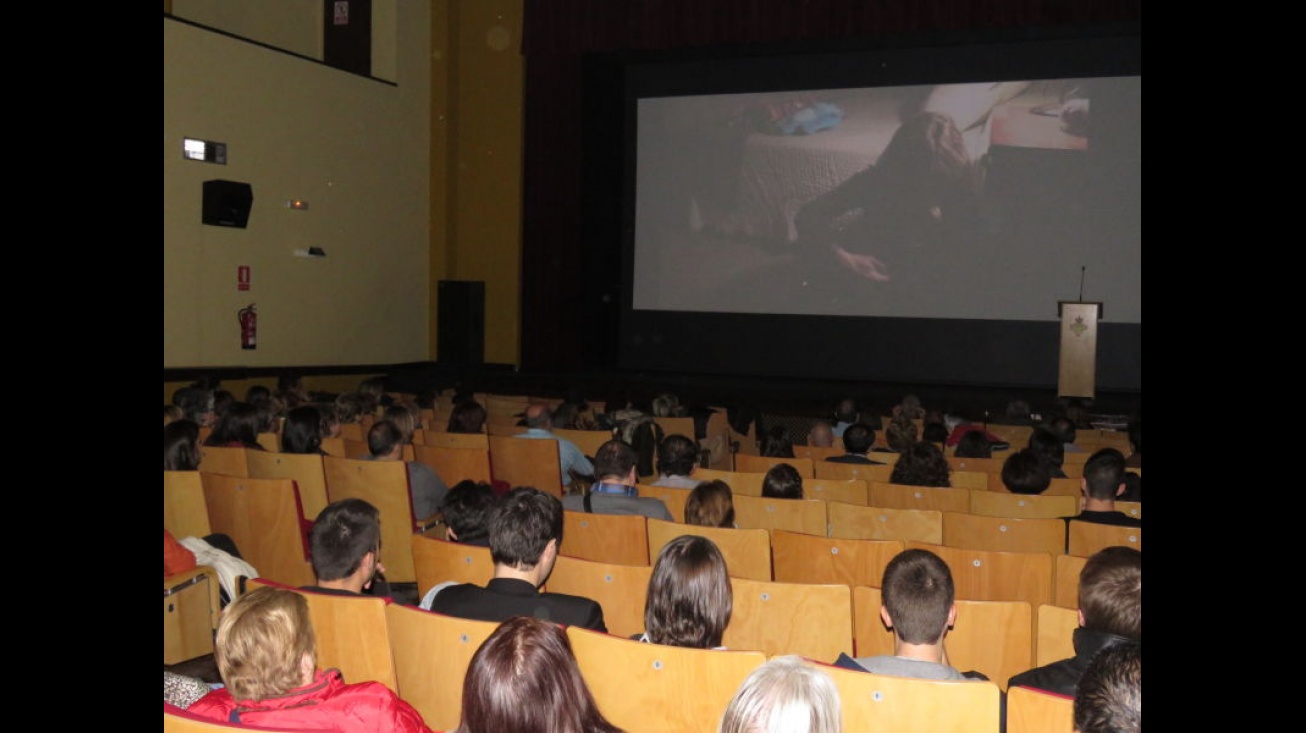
[{"x": 242, "y": 277}]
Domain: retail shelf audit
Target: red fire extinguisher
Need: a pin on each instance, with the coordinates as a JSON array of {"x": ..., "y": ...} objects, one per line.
[{"x": 248, "y": 326}]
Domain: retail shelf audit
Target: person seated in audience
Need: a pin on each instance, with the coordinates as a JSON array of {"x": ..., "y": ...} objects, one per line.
[
  {"x": 1110, "y": 614},
  {"x": 1134, "y": 481},
  {"x": 524, "y": 678},
  {"x": 266, "y": 653},
  {"x": 571, "y": 460},
  {"x": 910, "y": 407},
  {"x": 614, "y": 491},
  {"x": 466, "y": 512},
  {"x": 291, "y": 391},
  {"x": 238, "y": 427},
  {"x": 1103, "y": 481},
  {"x": 782, "y": 481},
  {"x": 776, "y": 443},
  {"x": 710, "y": 504},
  {"x": 197, "y": 404},
  {"x": 407, "y": 415},
  {"x": 372, "y": 391},
  {"x": 668, "y": 404},
  {"x": 525, "y": 533},
  {"x": 222, "y": 399},
  {"x": 1063, "y": 426},
  {"x": 900, "y": 435},
  {"x": 330, "y": 419},
  {"x": 846, "y": 413},
  {"x": 787, "y": 694},
  {"x": 1015, "y": 413},
  {"x": 350, "y": 408},
  {"x": 1048, "y": 446},
  {"x": 171, "y": 413},
  {"x": 301, "y": 433},
  {"x": 677, "y": 457},
  {"x": 1024, "y": 472},
  {"x": 467, "y": 416},
  {"x": 857, "y": 442},
  {"x": 972, "y": 444},
  {"x": 934, "y": 427},
  {"x": 689, "y": 599},
  {"x": 385, "y": 442},
  {"x": 821, "y": 435},
  {"x": 345, "y": 549},
  {"x": 1109, "y": 698},
  {"x": 923, "y": 464},
  {"x": 181, "y": 447},
  {"x": 919, "y": 604}
]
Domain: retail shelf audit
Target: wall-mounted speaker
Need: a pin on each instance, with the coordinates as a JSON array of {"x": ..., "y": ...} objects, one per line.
[
  {"x": 226, "y": 203},
  {"x": 461, "y": 322}
]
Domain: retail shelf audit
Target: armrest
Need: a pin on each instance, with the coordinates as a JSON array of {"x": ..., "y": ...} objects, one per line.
[{"x": 181, "y": 581}]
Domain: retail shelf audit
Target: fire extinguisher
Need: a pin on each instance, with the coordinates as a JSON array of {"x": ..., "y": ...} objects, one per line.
[{"x": 248, "y": 318}]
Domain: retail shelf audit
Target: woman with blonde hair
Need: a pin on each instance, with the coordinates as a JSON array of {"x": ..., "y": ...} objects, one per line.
[{"x": 785, "y": 695}]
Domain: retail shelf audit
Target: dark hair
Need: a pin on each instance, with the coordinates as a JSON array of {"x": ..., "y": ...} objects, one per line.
[
  {"x": 858, "y": 438},
  {"x": 196, "y": 402},
  {"x": 901, "y": 433},
  {"x": 1049, "y": 447},
  {"x": 677, "y": 455},
  {"x": 522, "y": 523},
  {"x": 918, "y": 592},
  {"x": 1063, "y": 427},
  {"x": 302, "y": 430},
  {"x": 847, "y": 410},
  {"x": 973, "y": 444},
  {"x": 1109, "y": 695},
  {"x": 782, "y": 481},
  {"x": 1104, "y": 472},
  {"x": 1024, "y": 472},
  {"x": 181, "y": 450},
  {"x": 238, "y": 424},
  {"x": 343, "y": 533},
  {"x": 614, "y": 458},
  {"x": 524, "y": 678},
  {"x": 466, "y": 508},
  {"x": 923, "y": 464},
  {"x": 1135, "y": 431},
  {"x": 1111, "y": 592},
  {"x": 467, "y": 417},
  {"x": 710, "y": 504},
  {"x": 689, "y": 599},
  {"x": 776, "y": 443},
  {"x": 383, "y": 437}
]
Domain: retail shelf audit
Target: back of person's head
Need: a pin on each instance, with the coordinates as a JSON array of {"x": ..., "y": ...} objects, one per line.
[
  {"x": 776, "y": 443},
  {"x": 901, "y": 434},
  {"x": 350, "y": 407},
  {"x": 677, "y": 455},
  {"x": 858, "y": 438},
  {"x": 172, "y": 412},
  {"x": 689, "y": 598},
  {"x": 564, "y": 415},
  {"x": 466, "y": 509},
  {"x": 404, "y": 418},
  {"x": 222, "y": 400},
  {"x": 973, "y": 444},
  {"x": 538, "y": 415},
  {"x": 290, "y": 388},
  {"x": 524, "y": 677},
  {"x": 1111, "y": 592},
  {"x": 1135, "y": 431},
  {"x": 1025, "y": 472},
  {"x": 1109, "y": 695},
  {"x": 666, "y": 405},
  {"x": 239, "y": 424},
  {"x": 1063, "y": 427},
  {"x": 782, "y": 481},
  {"x": 847, "y": 410},
  {"x": 918, "y": 593},
  {"x": 196, "y": 403},
  {"x": 330, "y": 419},
  {"x": 302, "y": 430},
  {"x": 923, "y": 464},
  {"x": 467, "y": 417},
  {"x": 1104, "y": 474},
  {"x": 785, "y": 695},
  {"x": 264, "y": 642},
  {"x": 181, "y": 450},
  {"x": 821, "y": 435},
  {"x": 615, "y": 458},
  {"x": 342, "y": 535},
  {"x": 383, "y": 437},
  {"x": 710, "y": 504},
  {"x": 257, "y": 393},
  {"x": 911, "y": 407},
  {"x": 934, "y": 427},
  {"x": 522, "y": 522},
  {"x": 1049, "y": 446}
]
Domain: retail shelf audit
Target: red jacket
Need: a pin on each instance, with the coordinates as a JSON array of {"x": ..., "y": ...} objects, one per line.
[
  {"x": 176, "y": 558},
  {"x": 327, "y": 703}
]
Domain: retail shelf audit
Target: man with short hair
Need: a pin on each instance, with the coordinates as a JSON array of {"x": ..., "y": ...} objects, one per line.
[
  {"x": 857, "y": 442},
  {"x": 821, "y": 435},
  {"x": 1024, "y": 472},
  {"x": 525, "y": 533},
  {"x": 1109, "y": 698},
  {"x": 845, "y": 414},
  {"x": 539, "y": 425},
  {"x": 345, "y": 546},
  {"x": 1110, "y": 613},
  {"x": 385, "y": 442},
  {"x": 466, "y": 513},
  {"x": 614, "y": 492},
  {"x": 1103, "y": 481},
  {"x": 677, "y": 457}
]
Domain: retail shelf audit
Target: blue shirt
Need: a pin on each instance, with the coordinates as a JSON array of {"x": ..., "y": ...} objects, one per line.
[{"x": 569, "y": 455}]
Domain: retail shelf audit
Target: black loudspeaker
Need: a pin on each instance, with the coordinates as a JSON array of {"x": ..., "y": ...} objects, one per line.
[
  {"x": 461, "y": 335},
  {"x": 227, "y": 203}
]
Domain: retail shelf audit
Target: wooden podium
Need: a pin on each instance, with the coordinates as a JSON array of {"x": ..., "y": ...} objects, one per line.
[{"x": 1078, "y": 371}]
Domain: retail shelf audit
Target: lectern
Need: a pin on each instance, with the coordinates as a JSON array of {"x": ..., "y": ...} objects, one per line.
[{"x": 1078, "y": 372}]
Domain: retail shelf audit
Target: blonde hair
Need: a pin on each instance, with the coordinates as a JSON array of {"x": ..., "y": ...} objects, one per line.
[
  {"x": 262, "y": 642},
  {"x": 785, "y": 695}
]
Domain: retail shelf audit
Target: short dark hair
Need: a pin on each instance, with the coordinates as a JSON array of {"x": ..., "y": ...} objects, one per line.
[
  {"x": 302, "y": 430},
  {"x": 181, "y": 450},
  {"x": 847, "y": 410},
  {"x": 782, "y": 481},
  {"x": 522, "y": 522},
  {"x": 1024, "y": 472},
  {"x": 973, "y": 444},
  {"x": 383, "y": 437},
  {"x": 1104, "y": 472},
  {"x": 466, "y": 509},
  {"x": 1049, "y": 446},
  {"x": 689, "y": 599},
  {"x": 918, "y": 592},
  {"x": 614, "y": 458},
  {"x": 1109, "y": 695},
  {"x": 677, "y": 455},
  {"x": 1063, "y": 427},
  {"x": 194, "y": 401},
  {"x": 922, "y": 464},
  {"x": 343, "y": 533},
  {"x": 1111, "y": 592},
  {"x": 858, "y": 438}
]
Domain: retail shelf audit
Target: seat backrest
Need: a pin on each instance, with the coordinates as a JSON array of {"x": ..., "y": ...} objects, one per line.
[
  {"x": 987, "y": 575},
  {"x": 881, "y": 523},
  {"x": 306, "y": 469},
  {"x": 420, "y": 639},
  {"x": 357, "y": 448},
  {"x": 587, "y": 440},
  {"x": 1065, "y": 578},
  {"x": 1039, "y": 711},
  {"x": 617, "y": 538},
  {"x": 1006, "y": 534},
  {"x": 849, "y": 491},
  {"x": 353, "y": 431},
  {"x": 672, "y": 497},
  {"x": 798, "y": 515},
  {"x": 526, "y": 462},
  {"x": 978, "y": 480},
  {"x": 333, "y": 446},
  {"x": 1025, "y": 506},
  {"x": 745, "y": 463},
  {"x": 1063, "y": 487},
  {"x": 876, "y": 702},
  {"x": 436, "y": 561},
  {"x": 180, "y": 720},
  {"x": 994, "y": 638},
  {"x": 458, "y": 440},
  {"x": 270, "y": 441},
  {"x": 644, "y": 687},
  {"x": 746, "y": 484},
  {"x": 456, "y": 464},
  {"x": 790, "y": 618},
  {"x": 818, "y": 453},
  {"x": 805, "y": 558},
  {"x": 503, "y": 425},
  {"x": 265, "y": 519},
  {"x": 902, "y": 496},
  {"x": 352, "y": 634},
  {"x": 184, "y": 511},
  {"x": 383, "y": 484},
  {"x": 863, "y": 471},
  {"x": 747, "y": 551},
  {"x": 1132, "y": 508},
  {"x": 620, "y": 589},
  {"x": 190, "y": 614},
  {"x": 228, "y": 460},
  {"x": 1054, "y": 637},
  {"x": 1086, "y": 538},
  {"x": 981, "y": 465}
]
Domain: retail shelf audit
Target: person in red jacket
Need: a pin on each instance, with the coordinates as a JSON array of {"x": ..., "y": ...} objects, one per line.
[{"x": 267, "y": 656}]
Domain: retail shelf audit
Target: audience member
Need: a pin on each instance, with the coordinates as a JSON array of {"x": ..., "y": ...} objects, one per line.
[
  {"x": 1024, "y": 472},
  {"x": 467, "y": 416},
  {"x": 1110, "y": 614},
  {"x": 1015, "y": 413},
  {"x": 290, "y": 389},
  {"x": 345, "y": 549},
  {"x": 923, "y": 464},
  {"x": 301, "y": 432},
  {"x": 266, "y": 653},
  {"x": 572, "y": 461},
  {"x": 845, "y": 413},
  {"x": 1103, "y": 481},
  {"x": 1049, "y": 448},
  {"x": 677, "y": 457},
  {"x": 973, "y": 444},
  {"x": 525, "y": 533},
  {"x": 330, "y": 419},
  {"x": 615, "y": 492},
  {"x": 222, "y": 400},
  {"x": 237, "y": 427},
  {"x": 910, "y": 408},
  {"x": 1109, "y": 698},
  {"x": 181, "y": 449},
  {"x": 689, "y": 599},
  {"x": 782, "y": 481},
  {"x": 901, "y": 434},
  {"x": 372, "y": 390},
  {"x": 668, "y": 405},
  {"x": 172, "y": 413},
  {"x": 857, "y": 442},
  {"x": 934, "y": 427},
  {"x": 466, "y": 511},
  {"x": 1063, "y": 426},
  {"x": 776, "y": 443},
  {"x": 385, "y": 442},
  {"x": 710, "y": 504},
  {"x": 821, "y": 435},
  {"x": 350, "y": 408},
  {"x": 524, "y": 678},
  {"x": 785, "y": 695}
]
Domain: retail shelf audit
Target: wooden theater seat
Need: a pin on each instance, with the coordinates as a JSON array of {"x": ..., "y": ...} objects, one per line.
[
  {"x": 1086, "y": 538},
  {"x": 745, "y": 463},
  {"x": 184, "y": 512},
  {"x": 790, "y": 618},
  {"x": 875, "y": 702},
  {"x": 747, "y": 551},
  {"x": 804, "y": 558},
  {"x": 229, "y": 460},
  {"x": 454, "y": 464},
  {"x": 902, "y": 496},
  {"x": 1039, "y": 711},
  {"x": 383, "y": 484},
  {"x": 265, "y": 519},
  {"x": 797, "y": 515},
  {"x": 437, "y": 561},
  {"x": 423, "y": 641},
  {"x": 618, "y": 538},
  {"x": 673, "y": 498},
  {"x": 1004, "y": 534},
  {"x": 190, "y": 614},
  {"x": 882, "y": 523},
  {"x": 306, "y": 469},
  {"x": 526, "y": 462},
  {"x": 619, "y": 589},
  {"x": 1054, "y": 637}
]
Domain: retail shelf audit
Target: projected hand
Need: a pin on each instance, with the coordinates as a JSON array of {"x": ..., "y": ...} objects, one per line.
[{"x": 868, "y": 266}]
